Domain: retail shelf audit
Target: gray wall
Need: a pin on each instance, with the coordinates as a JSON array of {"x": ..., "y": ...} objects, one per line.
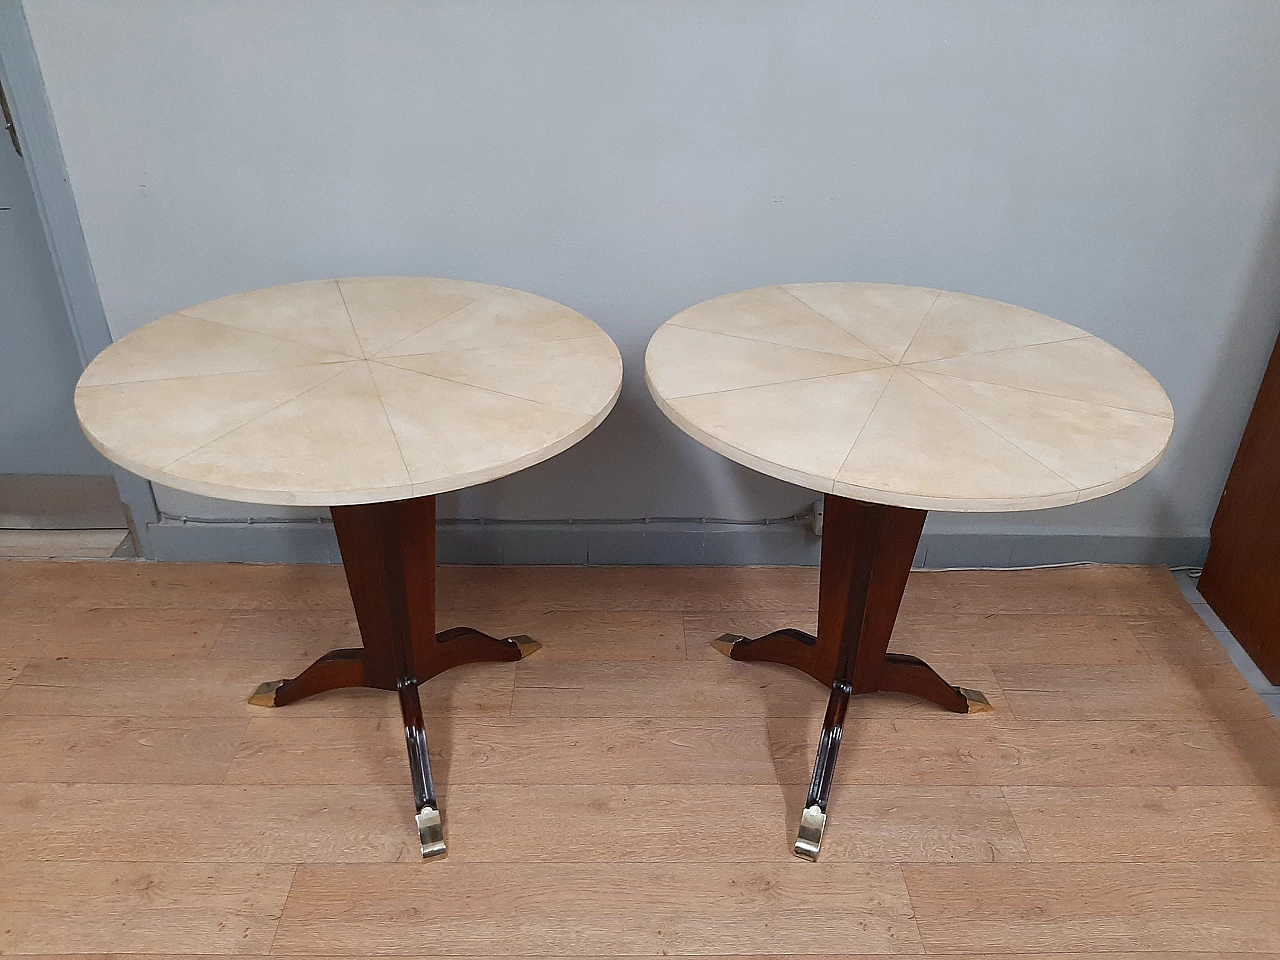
[
  {"x": 1115, "y": 164},
  {"x": 38, "y": 360}
]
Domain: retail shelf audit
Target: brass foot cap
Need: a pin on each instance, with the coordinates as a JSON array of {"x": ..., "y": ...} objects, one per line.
[
  {"x": 528, "y": 646},
  {"x": 809, "y": 843},
  {"x": 725, "y": 643},
  {"x": 430, "y": 833},
  {"x": 978, "y": 702},
  {"x": 265, "y": 695}
]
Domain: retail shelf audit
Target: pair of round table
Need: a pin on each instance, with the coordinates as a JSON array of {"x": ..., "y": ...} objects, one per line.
[{"x": 372, "y": 395}]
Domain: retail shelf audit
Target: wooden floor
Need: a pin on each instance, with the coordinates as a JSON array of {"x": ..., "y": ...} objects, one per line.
[{"x": 627, "y": 791}]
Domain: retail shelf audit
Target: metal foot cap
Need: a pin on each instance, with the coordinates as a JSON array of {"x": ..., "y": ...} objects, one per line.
[
  {"x": 528, "y": 646},
  {"x": 809, "y": 843},
  {"x": 430, "y": 833},
  {"x": 725, "y": 643},
  {"x": 978, "y": 702},
  {"x": 265, "y": 695}
]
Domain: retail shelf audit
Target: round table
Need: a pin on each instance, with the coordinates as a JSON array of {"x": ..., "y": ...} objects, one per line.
[
  {"x": 893, "y": 401},
  {"x": 369, "y": 396}
]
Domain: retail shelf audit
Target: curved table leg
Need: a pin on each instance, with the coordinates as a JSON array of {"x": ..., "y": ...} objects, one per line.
[
  {"x": 333, "y": 671},
  {"x": 388, "y": 552},
  {"x": 468, "y": 645},
  {"x": 794, "y": 648},
  {"x": 903, "y": 673},
  {"x": 867, "y": 551}
]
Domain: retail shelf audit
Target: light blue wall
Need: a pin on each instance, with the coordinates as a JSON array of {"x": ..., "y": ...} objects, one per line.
[
  {"x": 38, "y": 360},
  {"x": 1115, "y": 164}
]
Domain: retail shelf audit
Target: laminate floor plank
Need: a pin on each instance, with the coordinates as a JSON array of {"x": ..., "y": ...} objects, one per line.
[
  {"x": 564, "y": 634},
  {"x": 303, "y": 635},
  {"x": 715, "y": 688},
  {"x": 1096, "y": 908},
  {"x": 1160, "y": 692},
  {"x": 578, "y": 635},
  {"x": 157, "y": 586},
  {"x": 1084, "y": 590},
  {"x": 677, "y": 823},
  {"x": 207, "y": 824},
  {"x": 621, "y": 589},
  {"x": 1179, "y": 640},
  {"x": 958, "y": 638},
  {"x": 109, "y": 633},
  {"x": 983, "y": 749},
  {"x": 1148, "y": 824},
  {"x": 221, "y": 688},
  {"x": 9, "y": 670},
  {"x": 623, "y": 909},
  {"x": 627, "y": 791},
  {"x": 117, "y": 749},
  {"x": 178, "y": 908},
  {"x": 284, "y": 749}
]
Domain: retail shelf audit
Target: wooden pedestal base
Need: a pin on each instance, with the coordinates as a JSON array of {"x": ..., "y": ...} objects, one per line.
[
  {"x": 389, "y": 554},
  {"x": 867, "y": 550}
]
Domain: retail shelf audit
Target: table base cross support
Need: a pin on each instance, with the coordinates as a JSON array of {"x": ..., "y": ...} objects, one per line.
[
  {"x": 388, "y": 552},
  {"x": 867, "y": 550}
]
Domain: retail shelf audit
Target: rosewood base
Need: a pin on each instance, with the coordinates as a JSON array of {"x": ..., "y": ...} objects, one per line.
[
  {"x": 867, "y": 550},
  {"x": 389, "y": 554}
]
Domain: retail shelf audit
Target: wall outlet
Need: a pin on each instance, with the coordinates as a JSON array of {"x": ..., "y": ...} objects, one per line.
[{"x": 815, "y": 517}]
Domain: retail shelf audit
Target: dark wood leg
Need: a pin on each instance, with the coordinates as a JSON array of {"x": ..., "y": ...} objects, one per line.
[
  {"x": 867, "y": 550},
  {"x": 388, "y": 552}
]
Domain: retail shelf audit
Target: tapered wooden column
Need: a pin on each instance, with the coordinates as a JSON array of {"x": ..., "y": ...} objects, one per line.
[
  {"x": 867, "y": 550},
  {"x": 388, "y": 552}
]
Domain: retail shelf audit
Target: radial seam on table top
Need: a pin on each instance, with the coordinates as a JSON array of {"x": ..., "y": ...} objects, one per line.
[
  {"x": 429, "y": 324},
  {"x": 858, "y": 436},
  {"x": 364, "y": 354},
  {"x": 984, "y": 424},
  {"x": 914, "y": 363},
  {"x": 842, "y": 328},
  {"x": 341, "y": 367},
  {"x": 259, "y": 333},
  {"x": 474, "y": 386}
]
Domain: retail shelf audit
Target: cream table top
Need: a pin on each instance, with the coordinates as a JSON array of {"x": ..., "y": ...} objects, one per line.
[
  {"x": 909, "y": 396},
  {"x": 336, "y": 392}
]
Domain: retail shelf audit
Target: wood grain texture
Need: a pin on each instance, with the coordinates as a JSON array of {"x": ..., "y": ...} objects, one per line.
[
  {"x": 578, "y": 635},
  {"x": 625, "y": 909},
  {"x": 221, "y": 688},
  {"x": 206, "y": 824},
  {"x": 644, "y": 797},
  {"x": 678, "y": 823},
  {"x": 283, "y": 749},
  {"x": 1083, "y": 590},
  {"x": 628, "y": 588},
  {"x": 977, "y": 750},
  {"x": 959, "y": 638},
  {"x": 117, "y": 749},
  {"x": 1156, "y": 824},
  {"x": 301, "y": 635},
  {"x": 1183, "y": 693},
  {"x": 110, "y": 633},
  {"x": 1178, "y": 640},
  {"x": 9, "y": 670},
  {"x": 1035, "y": 908},
  {"x": 565, "y": 634},
  {"x": 157, "y": 586},
  {"x": 63, "y": 907},
  {"x": 1050, "y": 638},
  {"x": 714, "y": 688}
]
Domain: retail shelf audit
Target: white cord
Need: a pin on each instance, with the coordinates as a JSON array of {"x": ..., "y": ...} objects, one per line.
[{"x": 1193, "y": 572}]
